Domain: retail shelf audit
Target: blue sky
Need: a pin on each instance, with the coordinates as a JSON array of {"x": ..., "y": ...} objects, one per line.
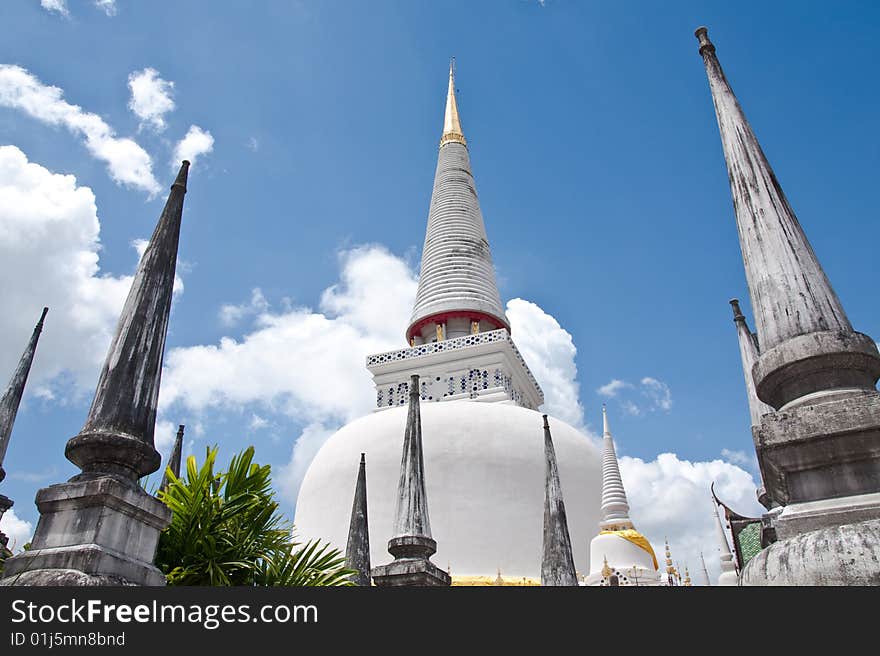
[{"x": 596, "y": 156}]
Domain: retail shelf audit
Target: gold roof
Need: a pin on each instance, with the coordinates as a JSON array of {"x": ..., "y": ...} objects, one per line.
[{"x": 451, "y": 123}]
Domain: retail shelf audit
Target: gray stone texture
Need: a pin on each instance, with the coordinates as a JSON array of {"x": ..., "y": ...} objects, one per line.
[
  {"x": 848, "y": 554},
  {"x": 357, "y": 549},
  {"x": 174, "y": 458},
  {"x": 557, "y": 562},
  {"x": 90, "y": 533},
  {"x": 11, "y": 398},
  {"x": 457, "y": 273},
  {"x": 118, "y": 433}
]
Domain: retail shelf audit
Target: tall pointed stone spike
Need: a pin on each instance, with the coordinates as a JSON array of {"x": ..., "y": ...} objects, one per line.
[
  {"x": 11, "y": 398},
  {"x": 748, "y": 352},
  {"x": 615, "y": 508},
  {"x": 705, "y": 572},
  {"x": 117, "y": 437},
  {"x": 174, "y": 458},
  {"x": 357, "y": 549},
  {"x": 411, "y": 516},
  {"x": 808, "y": 346},
  {"x": 557, "y": 563}
]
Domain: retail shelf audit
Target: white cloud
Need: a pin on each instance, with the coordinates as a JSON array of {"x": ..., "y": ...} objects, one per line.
[
  {"x": 231, "y": 314},
  {"x": 49, "y": 245},
  {"x": 740, "y": 458},
  {"x": 652, "y": 394},
  {"x": 658, "y": 392},
  {"x": 611, "y": 389},
  {"x": 58, "y": 6},
  {"x": 253, "y": 144},
  {"x": 195, "y": 143},
  {"x": 306, "y": 446},
  {"x": 109, "y": 6},
  {"x": 304, "y": 363},
  {"x": 17, "y": 530},
  {"x": 670, "y": 498},
  {"x": 549, "y": 351},
  {"x": 127, "y": 163},
  {"x": 150, "y": 98},
  {"x": 257, "y": 422}
]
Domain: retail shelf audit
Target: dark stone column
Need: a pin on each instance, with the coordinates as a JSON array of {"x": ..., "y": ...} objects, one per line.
[
  {"x": 557, "y": 562},
  {"x": 101, "y": 527},
  {"x": 412, "y": 545},
  {"x": 357, "y": 550}
]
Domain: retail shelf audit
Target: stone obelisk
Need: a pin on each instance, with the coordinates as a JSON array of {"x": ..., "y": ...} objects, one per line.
[
  {"x": 9, "y": 403},
  {"x": 101, "y": 527},
  {"x": 412, "y": 545},
  {"x": 557, "y": 562},
  {"x": 819, "y": 447},
  {"x": 357, "y": 549}
]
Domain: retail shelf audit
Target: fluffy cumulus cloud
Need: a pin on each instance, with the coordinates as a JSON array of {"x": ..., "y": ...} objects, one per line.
[
  {"x": 107, "y": 6},
  {"x": 649, "y": 395},
  {"x": 17, "y": 530},
  {"x": 55, "y": 6},
  {"x": 195, "y": 143},
  {"x": 670, "y": 499},
  {"x": 549, "y": 351},
  {"x": 151, "y": 98},
  {"x": 49, "y": 245},
  {"x": 127, "y": 163}
]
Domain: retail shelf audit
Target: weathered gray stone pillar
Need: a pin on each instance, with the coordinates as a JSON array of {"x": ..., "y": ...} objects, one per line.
[
  {"x": 9, "y": 403},
  {"x": 412, "y": 545},
  {"x": 174, "y": 458},
  {"x": 557, "y": 562},
  {"x": 819, "y": 448},
  {"x": 357, "y": 549},
  {"x": 101, "y": 527}
]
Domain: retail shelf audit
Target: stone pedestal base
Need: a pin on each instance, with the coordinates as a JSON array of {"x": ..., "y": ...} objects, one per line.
[
  {"x": 418, "y": 572},
  {"x": 848, "y": 554},
  {"x": 101, "y": 531},
  {"x": 825, "y": 450}
]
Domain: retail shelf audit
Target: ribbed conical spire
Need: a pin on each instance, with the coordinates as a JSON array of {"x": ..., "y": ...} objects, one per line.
[
  {"x": 12, "y": 397},
  {"x": 411, "y": 516},
  {"x": 117, "y": 437},
  {"x": 174, "y": 458},
  {"x": 748, "y": 350},
  {"x": 451, "y": 122},
  {"x": 615, "y": 509},
  {"x": 457, "y": 279},
  {"x": 790, "y": 293},
  {"x": 357, "y": 549},
  {"x": 557, "y": 563},
  {"x": 728, "y": 567}
]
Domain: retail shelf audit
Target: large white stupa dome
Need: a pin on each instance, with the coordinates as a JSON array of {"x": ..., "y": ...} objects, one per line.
[{"x": 485, "y": 469}]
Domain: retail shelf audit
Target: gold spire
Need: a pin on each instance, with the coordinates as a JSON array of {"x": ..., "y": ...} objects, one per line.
[
  {"x": 606, "y": 569},
  {"x": 451, "y": 123},
  {"x": 687, "y": 577}
]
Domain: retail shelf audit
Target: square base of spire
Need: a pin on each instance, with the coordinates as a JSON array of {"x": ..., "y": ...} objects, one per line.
[
  {"x": 94, "y": 532},
  {"x": 827, "y": 450},
  {"x": 410, "y": 572}
]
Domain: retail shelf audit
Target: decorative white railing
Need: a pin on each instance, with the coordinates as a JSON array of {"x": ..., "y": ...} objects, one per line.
[{"x": 456, "y": 343}]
